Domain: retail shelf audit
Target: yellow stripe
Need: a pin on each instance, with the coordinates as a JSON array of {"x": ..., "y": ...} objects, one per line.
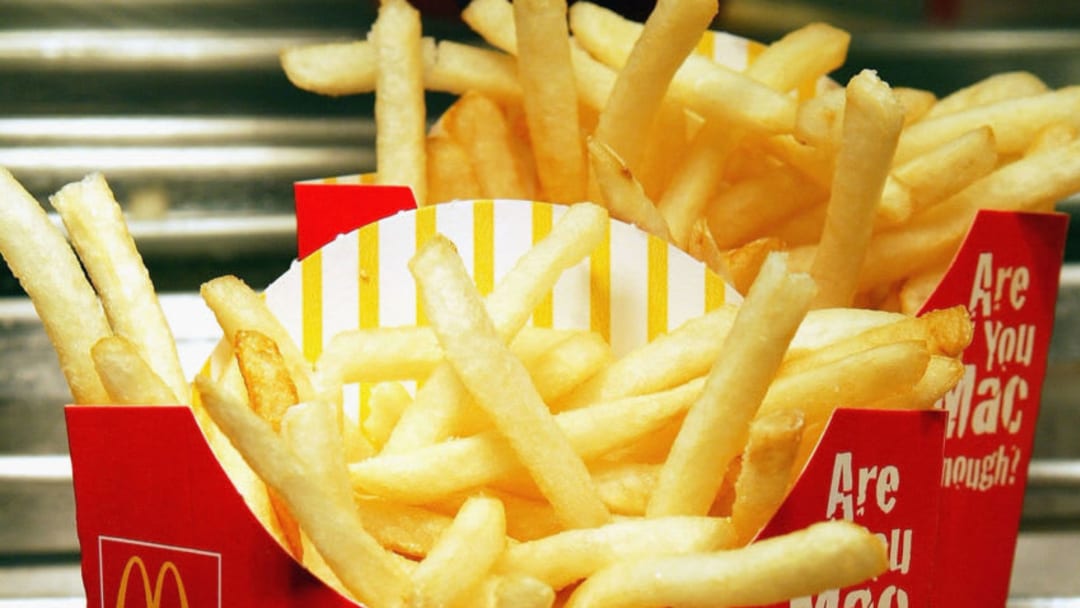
[
  {"x": 311, "y": 304},
  {"x": 368, "y": 281},
  {"x": 600, "y": 287},
  {"x": 658, "y": 287},
  {"x": 484, "y": 246},
  {"x": 753, "y": 51},
  {"x": 715, "y": 293},
  {"x": 425, "y": 229},
  {"x": 707, "y": 45},
  {"x": 543, "y": 314}
]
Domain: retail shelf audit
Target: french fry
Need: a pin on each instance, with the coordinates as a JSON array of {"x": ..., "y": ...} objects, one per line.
[
  {"x": 439, "y": 402},
  {"x": 750, "y": 208},
  {"x": 565, "y": 558},
  {"x": 349, "y": 68},
  {"x": 717, "y": 422},
  {"x": 434, "y": 472},
  {"x": 400, "y": 112},
  {"x": 376, "y": 355},
  {"x": 99, "y": 234},
  {"x": 918, "y": 288},
  {"x": 623, "y": 194},
  {"x": 872, "y": 124},
  {"x": 1058, "y": 134},
  {"x": 333, "y": 68},
  {"x": 550, "y": 98},
  {"x": 765, "y": 471},
  {"x": 311, "y": 430},
  {"x": 494, "y": 21},
  {"x": 704, "y": 86},
  {"x": 127, "y": 377},
  {"x": 801, "y": 57},
  {"x": 998, "y": 87},
  {"x": 815, "y": 163},
  {"x": 819, "y": 119},
  {"x": 802, "y": 230},
  {"x": 460, "y": 68},
  {"x": 512, "y": 591},
  {"x": 478, "y": 531},
  {"x": 473, "y": 347},
  {"x": 555, "y": 372},
  {"x": 625, "y": 487},
  {"x": 673, "y": 130},
  {"x": 822, "y": 327},
  {"x": 1015, "y": 122},
  {"x": 595, "y": 79},
  {"x": 743, "y": 264},
  {"x": 405, "y": 529},
  {"x": 431, "y": 416},
  {"x": 522, "y": 149},
  {"x": 450, "y": 172},
  {"x": 385, "y": 404},
  {"x": 568, "y": 364},
  {"x": 917, "y": 103},
  {"x": 667, "y": 361},
  {"x": 797, "y": 564},
  {"x": 366, "y": 569},
  {"x": 237, "y": 306},
  {"x": 696, "y": 179},
  {"x": 942, "y": 374},
  {"x": 271, "y": 390},
  {"x": 702, "y": 246},
  {"x": 948, "y": 169},
  {"x": 930, "y": 237},
  {"x": 49, "y": 272},
  {"x": 527, "y": 519},
  {"x": 478, "y": 124},
  {"x": 856, "y": 380},
  {"x": 946, "y": 331},
  {"x": 667, "y": 38}
]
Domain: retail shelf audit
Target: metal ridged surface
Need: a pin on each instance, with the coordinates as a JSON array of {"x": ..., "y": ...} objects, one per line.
[{"x": 183, "y": 106}]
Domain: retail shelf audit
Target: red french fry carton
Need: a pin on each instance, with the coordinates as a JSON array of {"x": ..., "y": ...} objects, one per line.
[
  {"x": 162, "y": 524},
  {"x": 1007, "y": 274}
]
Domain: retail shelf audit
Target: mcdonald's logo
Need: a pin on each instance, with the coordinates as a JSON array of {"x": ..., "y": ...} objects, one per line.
[
  {"x": 139, "y": 574},
  {"x": 151, "y": 595}
]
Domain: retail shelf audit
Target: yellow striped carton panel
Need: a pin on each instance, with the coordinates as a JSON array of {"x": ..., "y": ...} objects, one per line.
[
  {"x": 729, "y": 50},
  {"x": 633, "y": 287}
]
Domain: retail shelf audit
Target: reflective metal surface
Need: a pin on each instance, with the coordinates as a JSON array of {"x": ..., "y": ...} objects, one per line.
[{"x": 182, "y": 104}]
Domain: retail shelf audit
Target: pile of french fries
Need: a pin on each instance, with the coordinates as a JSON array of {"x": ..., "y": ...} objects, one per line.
[
  {"x": 529, "y": 467},
  {"x": 498, "y": 464},
  {"x": 870, "y": 188}
]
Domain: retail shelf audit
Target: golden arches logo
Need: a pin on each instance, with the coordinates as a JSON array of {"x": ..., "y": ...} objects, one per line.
[{"x": 152, "y": 594}]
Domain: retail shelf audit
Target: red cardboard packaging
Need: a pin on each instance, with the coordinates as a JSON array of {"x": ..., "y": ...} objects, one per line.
[{"x": 161, "y": 524}]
